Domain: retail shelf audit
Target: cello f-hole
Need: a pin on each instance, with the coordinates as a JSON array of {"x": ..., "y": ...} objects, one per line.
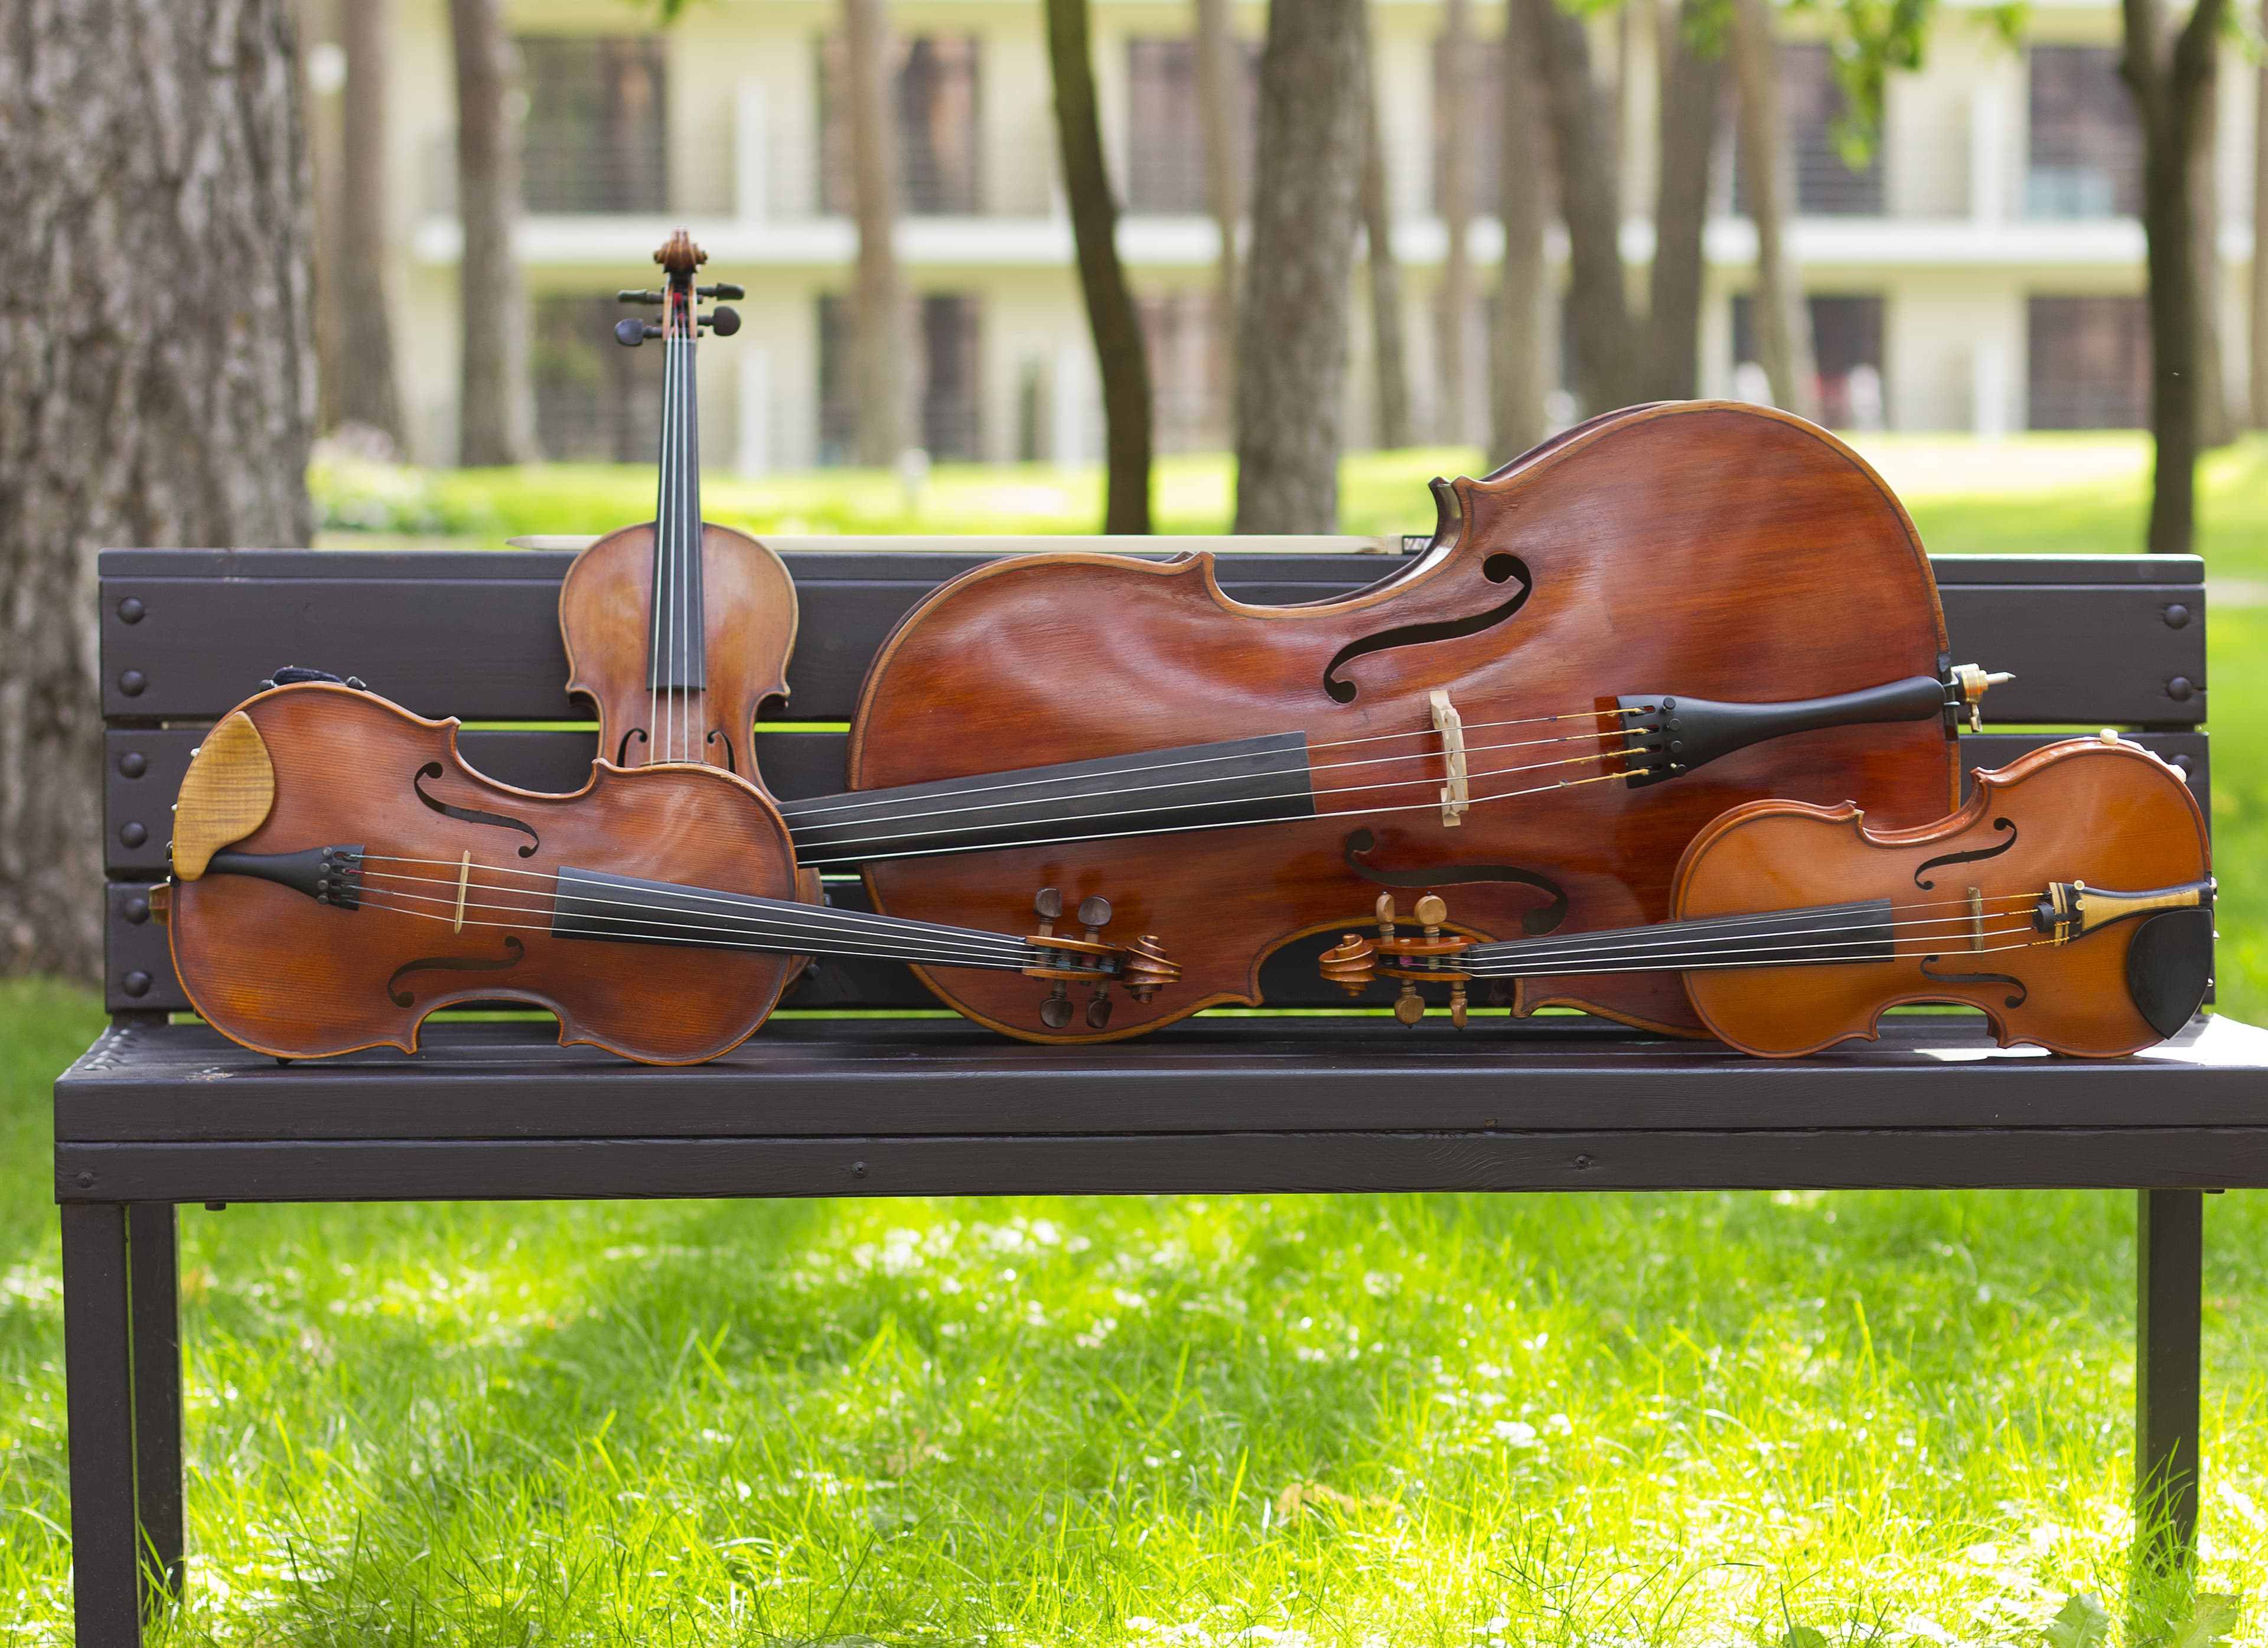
[
  {"x": 1499, "y": 569},
  {"x": 717, "y": 735},
  {"x": 623, "y": 751}
]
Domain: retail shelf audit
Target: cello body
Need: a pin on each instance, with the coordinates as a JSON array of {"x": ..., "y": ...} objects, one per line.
[{"x": 1714, "y": 549}]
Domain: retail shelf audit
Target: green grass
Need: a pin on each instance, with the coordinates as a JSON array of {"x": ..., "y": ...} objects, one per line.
[{"x": 1693, "y": 1420}]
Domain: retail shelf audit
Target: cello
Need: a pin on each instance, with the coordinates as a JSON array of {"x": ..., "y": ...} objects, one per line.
[
  {"x": 1795, "y": 927},
  {"x": 1657, "y": 616},
  {"x": 340, "y": 874}
]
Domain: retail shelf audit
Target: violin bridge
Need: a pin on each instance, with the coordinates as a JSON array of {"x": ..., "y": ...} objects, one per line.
[{"x": 1457, "y": 796}]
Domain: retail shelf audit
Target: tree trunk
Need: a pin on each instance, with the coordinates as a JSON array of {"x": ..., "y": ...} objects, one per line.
[
  {"x": 496, "y": 399},
  {"x": 1392, "y": 369},
  {"x": 878, "y": 345},
  {"x": 365, "y": 393},
  {"x": 316, "y": 22},
  {"x": 1220, "y": 87},
  {"x": 1783, "y": 318},
  {"x": 2260, "y": 253},
  {"x": 2166, "y": 95},
  {"x": 1291, "y": 377},
  {"x": 157, "y": 375},
  {"x": 1692, "y": 95},
  {"x": 1110, "y": 312},
  {"x": 1590, "y": 200},
  {"x": 2215, "y": 427},
  {"x": 1520, "y": 336},
  {"x": 1453, "y": 192}
]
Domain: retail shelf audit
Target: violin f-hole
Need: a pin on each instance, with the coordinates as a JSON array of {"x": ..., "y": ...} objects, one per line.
[
  {"x": 717, "y": 735},
  {"x": 1498, "y": 569},
  {"x": 2023, "y": 992},
  {"x": 472, "y": 815},
  {"x": 452, "y": 964},
  {"x": 1928, "y": 865},
  {"x": 622, "y": 750}
]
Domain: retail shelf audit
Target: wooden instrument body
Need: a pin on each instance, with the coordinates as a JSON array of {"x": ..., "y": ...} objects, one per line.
[
  {"x": 608, "y": 617},
  {"x": 2111, "y": 815},
  {"x": 1718, "y": 550},
  {"x": 276, "y": 970}
]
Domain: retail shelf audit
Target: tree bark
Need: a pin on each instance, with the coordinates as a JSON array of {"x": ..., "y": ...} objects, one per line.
[
  {"x": 1783, "y": 318},
  {"x": 878, "y": 345},
  {"x": 1314, "y": 101},
  {"x": 1590, "y": 201},
  {"x": 2259, "y": 385},
  {"x": 2167, "y": 80},
  {"x": 496, "y": 402},
  {"x": 1519, "y": 331},
  {"x": 1692, "y": 94},
  {"x": 317, "y": 25},
  {"x": 1454, "y": 199},
  {"x": 157, "y": 375},
  {"x": 1110, "y": 312},
  {"x": 2215, "y": 426},
  {"x": 1220, "y": 84},
  {"x": 365, "y": 393},
  {"x": 1392, "y": 369}
]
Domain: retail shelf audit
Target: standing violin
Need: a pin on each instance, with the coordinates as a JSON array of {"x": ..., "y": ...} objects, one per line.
[
  {"x": 339, "y": 874},
  {"x": 678, "y": 629},
  {"x": 2070, "y": 901}
]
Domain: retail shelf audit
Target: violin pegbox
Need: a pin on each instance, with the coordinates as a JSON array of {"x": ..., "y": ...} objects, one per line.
[
  {"x": 1141, "y": 964},
  {"x": 1355, "y": 962}
]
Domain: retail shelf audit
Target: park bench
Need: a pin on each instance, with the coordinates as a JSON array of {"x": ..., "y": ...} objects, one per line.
[{"x": 159, "y": 1113}]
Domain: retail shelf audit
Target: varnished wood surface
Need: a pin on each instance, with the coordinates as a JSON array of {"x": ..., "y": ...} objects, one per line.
[
  {"x": 1717, "y": 550},
  {"x": 284, "y": 975},
  {"x": 749, "y": 626},
  {"x": 227, "y": 791},
  {"x": 2110, "y": 815}
]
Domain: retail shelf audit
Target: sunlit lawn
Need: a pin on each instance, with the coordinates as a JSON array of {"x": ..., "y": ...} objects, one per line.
[{"x": 1699, "y": 1420}]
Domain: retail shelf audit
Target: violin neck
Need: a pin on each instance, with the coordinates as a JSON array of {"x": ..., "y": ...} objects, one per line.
[
  {"x": 1824, "y": 932},
  {"x": 675, "y": 657},
  {"x": 592, "y": 904}
]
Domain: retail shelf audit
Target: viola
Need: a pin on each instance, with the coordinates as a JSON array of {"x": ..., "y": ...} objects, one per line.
[
  {"x": 340, "y": 874},
  {"x": 1663, "y": 613},
  {"x": 2070, "y": 901},
  {"x": 678, "y": 629}
]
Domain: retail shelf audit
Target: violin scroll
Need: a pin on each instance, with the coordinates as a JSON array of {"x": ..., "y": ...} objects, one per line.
[
  {"x": 1141, "y": 966},
  {"x": 1355, "y": 962}
]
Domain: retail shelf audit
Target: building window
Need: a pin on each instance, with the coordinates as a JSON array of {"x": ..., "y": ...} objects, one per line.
[
  {"x": 939, "y": 146},
  {"x": 597, "y": 137},
  {"x": 1188, "y": 371},
  {"x": 2089, "y": 362},
  {"x": 595, "y": 402},
  {"x": 1846, "y": 352},
  {"x": 2086, "y": 149},
  {"x": 1812, "y": 101},
  {"x": 947, "y": 393},
  {"x": 1166, "y": 163}
]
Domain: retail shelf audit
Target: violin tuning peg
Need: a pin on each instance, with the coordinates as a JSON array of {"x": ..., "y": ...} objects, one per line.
[
  {"x": 633, "y": 295},
  {"x": 1432, "y": 910},
  {"x": 1098, "y": 1011},
  {"x": 725, "y": 290},
  {"x": 1094, "y": 912},
  {"x": 1048, "y": 906},
  {"x": 630, "y": 332},
  {"x": 724, "y": 321},
  {"x": 1055, "y": 1010}
]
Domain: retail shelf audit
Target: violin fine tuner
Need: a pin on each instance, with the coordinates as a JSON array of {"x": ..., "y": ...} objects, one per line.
[{"x": 1141, "y": 965}]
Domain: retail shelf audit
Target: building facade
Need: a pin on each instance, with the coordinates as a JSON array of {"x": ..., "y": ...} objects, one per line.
[{"x": 1982, "y": 270}]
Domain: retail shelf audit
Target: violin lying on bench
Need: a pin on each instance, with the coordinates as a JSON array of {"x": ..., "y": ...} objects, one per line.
[
  {"x": 2070, "y": 901},
  {"x": 340, "y": 874}
]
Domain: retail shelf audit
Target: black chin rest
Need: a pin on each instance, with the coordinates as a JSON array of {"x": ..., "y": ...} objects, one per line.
[{"x": 2169, "y": 966}]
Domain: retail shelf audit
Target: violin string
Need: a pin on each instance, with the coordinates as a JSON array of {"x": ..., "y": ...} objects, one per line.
[
  {"x": 1713, "y": 966},
  {"x": 722, "y": 900},
  {"x": 759, "y": 948},
  {"x": 917, "y": 942},
  {"x": 1718, "y": 929},
  {"x": 1577, "y": 960}
]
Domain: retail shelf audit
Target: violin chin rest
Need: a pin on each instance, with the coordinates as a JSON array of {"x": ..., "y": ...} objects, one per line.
[{"x": 2169, "y": 966}]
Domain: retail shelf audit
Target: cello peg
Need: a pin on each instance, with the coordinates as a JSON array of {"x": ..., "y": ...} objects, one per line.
[
  {"x": 630, "y": 332},
  {"x": 1457, "y": 1003}
]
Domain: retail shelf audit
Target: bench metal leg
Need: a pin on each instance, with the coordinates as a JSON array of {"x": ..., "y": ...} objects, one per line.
[
  {"x": 99, "y": 1376},
  {"x": 2169, "y": 1285},
  {"x": 155, "y": 1296}
]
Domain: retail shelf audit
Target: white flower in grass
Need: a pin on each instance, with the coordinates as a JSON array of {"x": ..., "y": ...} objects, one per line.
[{"x": 1514, "y": 1433}]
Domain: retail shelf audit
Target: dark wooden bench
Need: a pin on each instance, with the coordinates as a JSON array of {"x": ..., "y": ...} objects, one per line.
[{"x": 159, "y": 1113}]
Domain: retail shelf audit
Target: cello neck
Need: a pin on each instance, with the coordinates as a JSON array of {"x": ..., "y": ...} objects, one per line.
[{"x": 675, "y": 660}]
